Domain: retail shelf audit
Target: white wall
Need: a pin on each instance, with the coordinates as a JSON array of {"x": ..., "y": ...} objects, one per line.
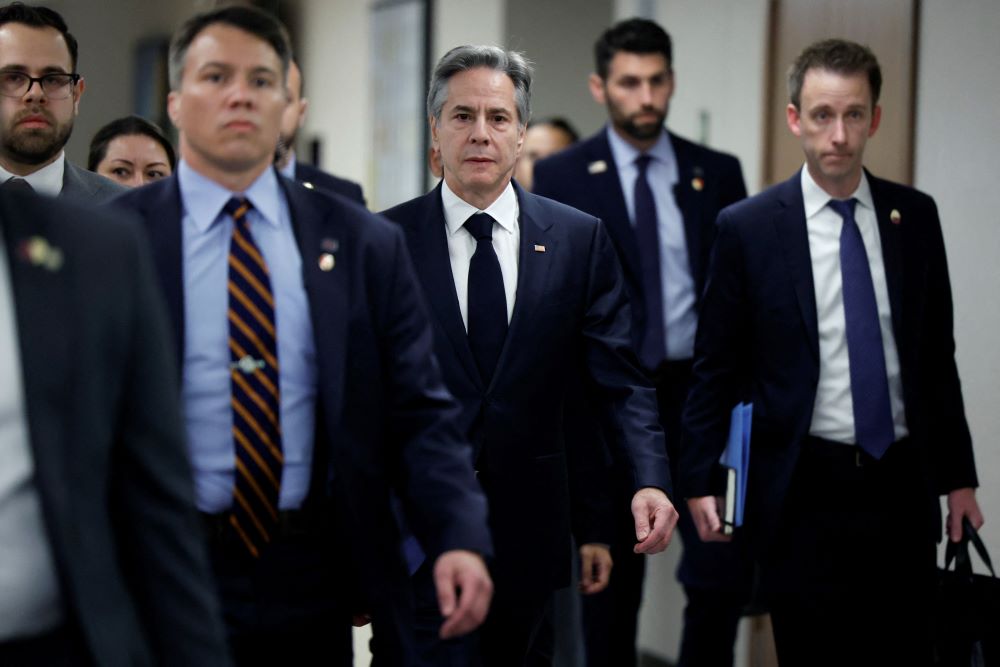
[{"x": 957, "y": 146}]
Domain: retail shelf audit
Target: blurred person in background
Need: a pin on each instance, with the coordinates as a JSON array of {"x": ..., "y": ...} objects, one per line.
[{"x": 131, "y": 151}]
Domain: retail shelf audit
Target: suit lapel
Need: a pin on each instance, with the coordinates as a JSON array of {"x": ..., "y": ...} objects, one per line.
[
  {"x": 890, "y": 235},
  {"x": 43, "y": 311},
  {"x": 535, "y": 256},
  {"x": 603, "y": 178},
  {"x": 319, "y": 231},
  {"x": 429, "y": 250},
  {"x": 790, "y": 227},
  {"x": 163, "y": 215},
  {"x": 690, "y": 203}
]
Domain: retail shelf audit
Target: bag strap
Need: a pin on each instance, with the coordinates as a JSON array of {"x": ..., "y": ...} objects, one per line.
[
  {"x": 972, "y": 535},
  {"x": 959, "y": 551}
]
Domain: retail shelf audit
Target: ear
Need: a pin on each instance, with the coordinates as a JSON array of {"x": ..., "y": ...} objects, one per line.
[
  {"x": 596, "y": 85},
  {"x": 174, "y": 106},
  {"x": 794, "y": 120},
  {"x": 81, "y": 85},
  {"x": 303, "y": 105},
  {"x": 522, "y": 130},
  {"x": 876, "y": 119},
  {"x": 434, "y": 131}
]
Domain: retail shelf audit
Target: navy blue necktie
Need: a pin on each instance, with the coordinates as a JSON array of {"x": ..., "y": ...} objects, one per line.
[
  {"x": 873, "y": 425},
  {"x": 652, "y": 348},
  {"x": 256, "y": 400},
  {"x": 487, "y": 299}
]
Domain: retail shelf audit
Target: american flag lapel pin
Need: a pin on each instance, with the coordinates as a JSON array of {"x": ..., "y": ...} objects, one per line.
[{"x": 895, "y": 217}]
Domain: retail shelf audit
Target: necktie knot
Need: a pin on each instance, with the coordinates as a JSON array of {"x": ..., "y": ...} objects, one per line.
[
  {"x": 18, "y": 184},
  {"x": 642, "y": 162},
  {"x": 237, "y": 208},
  {"x": 480, "y": 226},
  {"x": 844, "y": 207}
]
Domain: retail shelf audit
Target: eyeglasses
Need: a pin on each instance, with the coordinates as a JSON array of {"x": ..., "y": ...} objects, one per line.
[{"x": 57, "y": 86}]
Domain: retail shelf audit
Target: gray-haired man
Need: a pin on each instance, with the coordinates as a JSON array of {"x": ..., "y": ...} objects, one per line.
[{"x": 526, "y": 295}]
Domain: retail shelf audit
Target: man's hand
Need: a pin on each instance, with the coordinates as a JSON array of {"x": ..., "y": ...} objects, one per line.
[
  {"x": 962, "y": 503},
  {"x": 595, "y": 568},
  {"x": 705, "y": 513},
  {"x": 464, "y": 591},
  {"x": 655, "y": 518}
]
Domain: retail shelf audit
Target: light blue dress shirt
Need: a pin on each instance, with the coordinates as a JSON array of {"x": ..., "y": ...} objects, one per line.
[
  {"x": 206, "y": 233},
  {"x": 680, "y": 318}
]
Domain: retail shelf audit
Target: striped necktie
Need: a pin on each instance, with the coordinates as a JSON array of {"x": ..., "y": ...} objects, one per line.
[{"x": 255, "y": 401}]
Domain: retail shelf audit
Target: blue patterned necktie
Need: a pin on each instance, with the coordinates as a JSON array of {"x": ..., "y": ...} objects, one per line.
[
  {"x": 652, "y": 348},
  {"x": 873, "y": 425},
  {"x": 254, "y": 383},
  {"x": 487, "y": 310}
]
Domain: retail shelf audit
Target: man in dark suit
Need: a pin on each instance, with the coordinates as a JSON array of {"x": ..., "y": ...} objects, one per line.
[
  {"x": 39, "y": 99},
  {"x": 102, "y": 560},
  {"x": 828, "y": 306},
  {"x": 527, "y": 295},
  {"x": 665, "y": 255},
  {"x": 284, "y": 157},
  {"x": 310, "y": 388}
]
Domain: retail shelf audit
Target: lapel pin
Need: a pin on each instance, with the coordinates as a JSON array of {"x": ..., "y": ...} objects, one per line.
[
  {"x": 597, "y": 167},
  {"x": 329, "y": 245},
  {"x": 327, "y": 262},
  {"x": 37, "y": 252},
  {"x": 309, "y": 185},
  {"x": 698, "y": 183},
  {"x": 895, "y": 217},
  {"x": 539, "y": 248}
]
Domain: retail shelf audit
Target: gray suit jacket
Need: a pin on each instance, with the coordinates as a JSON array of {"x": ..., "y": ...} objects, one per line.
[{"x": 80, "y": 184}]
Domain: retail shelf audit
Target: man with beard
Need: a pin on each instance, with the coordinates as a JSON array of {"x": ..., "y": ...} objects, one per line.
[
  {"x": 40, "y": 93},
  {"x": 659, "y": 195},
  {"x": 284, "y": 155}
]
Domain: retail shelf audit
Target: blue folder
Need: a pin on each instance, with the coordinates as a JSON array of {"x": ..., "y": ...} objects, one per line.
[{"x": 736, "y": 460}]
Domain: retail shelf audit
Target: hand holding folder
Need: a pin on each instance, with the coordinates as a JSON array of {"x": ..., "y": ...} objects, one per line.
[{"x": 736, "y": 460}]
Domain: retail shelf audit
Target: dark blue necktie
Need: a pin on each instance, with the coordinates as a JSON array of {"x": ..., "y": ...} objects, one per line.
[
  {"x": 652, "y": 348},
  {"x": 487, "y": 299},
  {"x": 255, "y": 400},
  {"x": 873, "y": 425}
]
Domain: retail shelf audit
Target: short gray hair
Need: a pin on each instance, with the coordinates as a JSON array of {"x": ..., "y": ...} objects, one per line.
[{"x": 462, "y": 58}]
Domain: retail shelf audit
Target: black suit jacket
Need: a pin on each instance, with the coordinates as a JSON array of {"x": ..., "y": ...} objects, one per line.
[
  {"x": 570, "y": 312},
  {"x": 585, "y": 176},
  {"x": 110, "y": 466},
  {"x": 758, "y": 341},
  {"x": 311, "y": 176},
  {"x": 386, "y": 417}
]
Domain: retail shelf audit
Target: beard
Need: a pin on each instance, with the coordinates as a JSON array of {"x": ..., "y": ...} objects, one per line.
[
  {"x": 35, "y": 146},
  {"x": 639, "y": 131}
]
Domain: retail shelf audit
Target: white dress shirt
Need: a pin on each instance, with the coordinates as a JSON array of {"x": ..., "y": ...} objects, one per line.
[
  {"x": 30, "y": 602},
  {"x": 680, "y": 319},
  {"x": 46, "y": 181},
  {"x": 462, "y": 244},
  {"x": 833, "y": 412}
]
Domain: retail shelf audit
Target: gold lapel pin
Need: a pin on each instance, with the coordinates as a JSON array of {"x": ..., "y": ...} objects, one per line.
[
  {"x": 597, "y": 167},
  {"x": 698, "y": 183},
  {"x": 895, "y": 217},
  {"x": 307, "y": 184},
  {"x": 327, "y": 262},
  {"x": 539, "y": 248}
]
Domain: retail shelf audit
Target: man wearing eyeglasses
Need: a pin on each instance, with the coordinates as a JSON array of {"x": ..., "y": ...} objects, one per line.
[{"x": 39, "y": 98}]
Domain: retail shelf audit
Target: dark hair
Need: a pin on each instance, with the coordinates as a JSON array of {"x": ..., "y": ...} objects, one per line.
[
  {"x": 40, "y": 17},
  {"x": 463, "y": 58},
  {"x": 632, "y": 36},
  {"x": 559, "y": 123},
  {"x": 248, "y": 19},
  {"x": 834, "y": 55},
  {"x": 127, "y": 127}
]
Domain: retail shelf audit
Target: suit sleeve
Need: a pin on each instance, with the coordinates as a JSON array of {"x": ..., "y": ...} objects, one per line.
[
  {"x": 153, "y": 502},
  {"x": 632, "y": 413},
  {"x": 441, "y": 498},
  {"x": 948, "y": 433},
  {"x": 718, "y": 366}
]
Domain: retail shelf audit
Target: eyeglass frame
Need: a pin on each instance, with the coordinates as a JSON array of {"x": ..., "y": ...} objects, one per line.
[{"x": 75, "y": 78}]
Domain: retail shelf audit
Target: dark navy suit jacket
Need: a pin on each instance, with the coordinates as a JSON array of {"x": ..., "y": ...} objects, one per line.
[
  {"x": 311, "y": 176},
  {"x": 107, "y": 446},
  {"x": 758, "y": 341},
  {"x": 570, "y": 312},
  {"x": 387, "y": 420}
]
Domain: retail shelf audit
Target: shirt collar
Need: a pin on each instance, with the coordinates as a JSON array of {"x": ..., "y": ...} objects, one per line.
[
  {"x": 456, "y": 210},
  {"x": 204, "y": 199},
  {"x": 815, "y": 198},
  {"x": 46, "y": 181},
  {"x": 625, "y": 154}
]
